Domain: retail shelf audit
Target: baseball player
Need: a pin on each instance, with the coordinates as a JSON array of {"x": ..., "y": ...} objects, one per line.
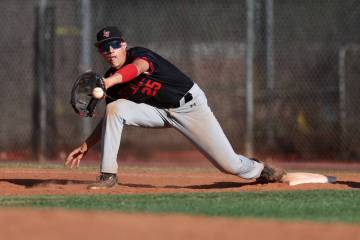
[{"x": 143, "y": 89}]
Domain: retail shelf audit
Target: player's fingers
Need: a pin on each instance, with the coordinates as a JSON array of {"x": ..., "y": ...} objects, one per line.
[
  {"x": 68, "y": 159},
  {"x": 74, "y": 154},
  {"x": 76, "y": 161},
  {"x": 73, "y": 162}
]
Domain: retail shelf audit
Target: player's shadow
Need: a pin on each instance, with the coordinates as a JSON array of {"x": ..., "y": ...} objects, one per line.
[
  {"x": 30, "y": 183},
  {"x": 215, "y": 185},
  {"x": 221, "y": 185},
  {"x": 349, "y": 183}
]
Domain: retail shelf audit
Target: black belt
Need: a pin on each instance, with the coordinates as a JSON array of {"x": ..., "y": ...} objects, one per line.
[{"x": 185, "y": 99}]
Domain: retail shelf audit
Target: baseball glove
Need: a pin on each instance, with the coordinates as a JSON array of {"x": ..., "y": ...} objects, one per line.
[{"x": 82, "y": 99}]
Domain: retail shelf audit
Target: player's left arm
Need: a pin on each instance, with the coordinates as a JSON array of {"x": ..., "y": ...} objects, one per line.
[{"x": 127, "y": 72}]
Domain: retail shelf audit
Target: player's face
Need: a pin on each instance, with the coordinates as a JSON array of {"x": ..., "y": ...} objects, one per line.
[{"x": 114, "y": 53}]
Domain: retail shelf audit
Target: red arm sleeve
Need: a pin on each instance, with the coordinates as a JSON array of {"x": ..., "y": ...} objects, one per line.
[{"x": 128, "y": 72}]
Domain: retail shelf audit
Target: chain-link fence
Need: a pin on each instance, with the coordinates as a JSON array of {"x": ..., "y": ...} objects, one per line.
[{"x": 305, "y": 91}]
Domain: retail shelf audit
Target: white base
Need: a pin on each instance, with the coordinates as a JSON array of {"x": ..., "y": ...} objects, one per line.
[{"x": 297, "y": 178}]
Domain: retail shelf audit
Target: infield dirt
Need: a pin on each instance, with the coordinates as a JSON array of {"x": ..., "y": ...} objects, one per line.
[
  {"x": 61, "y": 224},
  {"x": 29, "y": 181}
]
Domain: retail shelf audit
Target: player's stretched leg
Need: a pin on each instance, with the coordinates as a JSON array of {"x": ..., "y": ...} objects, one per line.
[
  {"x": 119, "y": 113},
  {"x": 197, "y": 122}
]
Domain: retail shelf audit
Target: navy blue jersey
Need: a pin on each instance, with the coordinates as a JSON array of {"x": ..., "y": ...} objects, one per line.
[{"x": 162, "y": 86}]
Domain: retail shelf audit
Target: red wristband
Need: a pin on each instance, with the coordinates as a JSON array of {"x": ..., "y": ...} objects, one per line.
[{"x": 128, "y": 72}]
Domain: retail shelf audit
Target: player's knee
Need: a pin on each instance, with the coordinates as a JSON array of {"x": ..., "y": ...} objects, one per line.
[{"x": 119, "y": 108}]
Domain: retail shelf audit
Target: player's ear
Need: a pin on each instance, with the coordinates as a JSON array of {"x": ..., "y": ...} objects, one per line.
[{"x": 124, "y": 45}]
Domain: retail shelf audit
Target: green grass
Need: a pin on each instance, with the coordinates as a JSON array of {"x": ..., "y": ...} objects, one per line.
[{"x": 315, "y": 205}]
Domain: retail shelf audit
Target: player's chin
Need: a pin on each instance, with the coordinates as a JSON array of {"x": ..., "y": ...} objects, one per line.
[
  {"x": 114, "y": 64},
  {"x": 111, "y": 61}
]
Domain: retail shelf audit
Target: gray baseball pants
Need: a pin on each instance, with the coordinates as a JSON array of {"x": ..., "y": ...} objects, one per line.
[{"x": 193, "y": 119}]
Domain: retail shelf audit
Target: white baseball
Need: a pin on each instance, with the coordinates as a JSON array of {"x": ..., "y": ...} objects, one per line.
[{"x": 98, "y": 93}]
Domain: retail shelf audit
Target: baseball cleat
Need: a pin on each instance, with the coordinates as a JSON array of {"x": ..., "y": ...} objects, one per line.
[
  {"x": 270, "y": 173},
  {"x": 104, "y": 181}
]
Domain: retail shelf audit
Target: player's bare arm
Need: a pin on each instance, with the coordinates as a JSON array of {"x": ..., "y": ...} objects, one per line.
[
  {"x": 78, "y": 153},
  {"x": 127, "y": 73}
]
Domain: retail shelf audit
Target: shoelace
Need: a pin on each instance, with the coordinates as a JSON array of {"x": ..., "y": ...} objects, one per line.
[{"x": 102, "y": 177}]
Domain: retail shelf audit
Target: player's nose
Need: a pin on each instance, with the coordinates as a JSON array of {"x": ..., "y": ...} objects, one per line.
[{"x": 111, "y": 50}]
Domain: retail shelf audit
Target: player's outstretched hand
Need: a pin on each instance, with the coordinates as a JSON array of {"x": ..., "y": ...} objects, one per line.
[{"x": 76, "y": 155}]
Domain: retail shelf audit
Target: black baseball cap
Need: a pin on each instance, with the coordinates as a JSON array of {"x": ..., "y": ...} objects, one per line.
[{"x": 108, "y": 34}]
